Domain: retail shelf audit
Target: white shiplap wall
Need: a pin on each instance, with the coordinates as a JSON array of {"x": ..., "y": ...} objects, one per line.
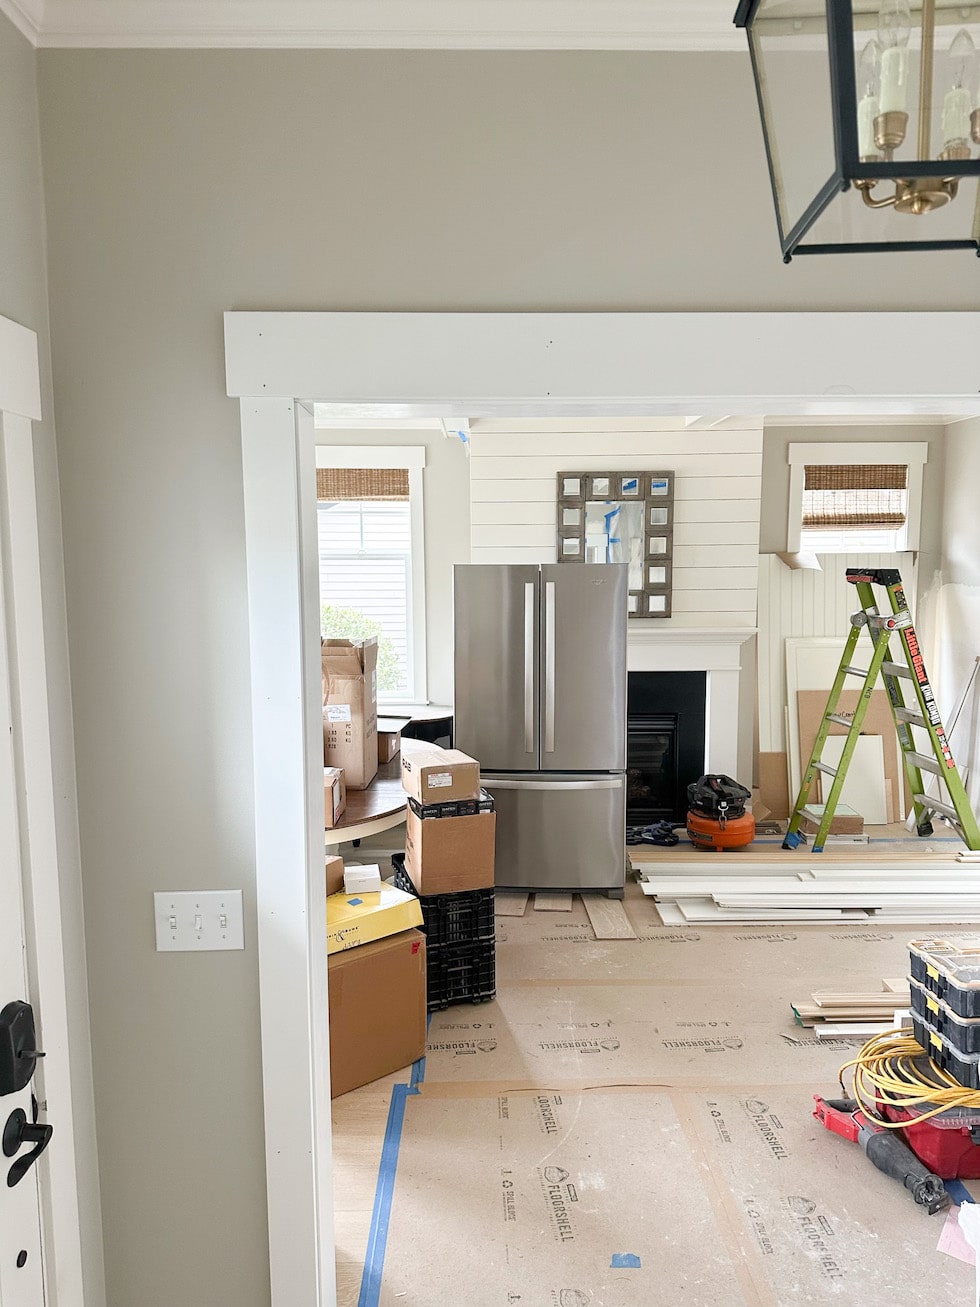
[
  {"x": 717, "y": 485},
  {"x": 806, "y": 603}
]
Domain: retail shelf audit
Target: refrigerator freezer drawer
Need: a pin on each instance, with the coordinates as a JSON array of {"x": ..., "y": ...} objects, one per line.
[{"x": 560, "y": 833}]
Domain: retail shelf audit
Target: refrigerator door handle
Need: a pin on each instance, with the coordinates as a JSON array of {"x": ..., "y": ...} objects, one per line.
[
  {"x": 529, "y": 589},
  {"x": 506, "y": 783},
  {"x": 549, "y": 667}
]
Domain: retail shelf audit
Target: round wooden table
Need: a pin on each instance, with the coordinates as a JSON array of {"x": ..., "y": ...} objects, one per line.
[{"x": 379, "y": 807}]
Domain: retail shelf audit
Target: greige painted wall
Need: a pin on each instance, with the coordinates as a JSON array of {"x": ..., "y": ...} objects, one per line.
[
  {"x": 24, "y": 299},
  {"x": 182, "y": 184}
]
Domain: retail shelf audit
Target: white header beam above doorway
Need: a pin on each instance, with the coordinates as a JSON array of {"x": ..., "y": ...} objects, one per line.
[{"x": 551, "y": 364}]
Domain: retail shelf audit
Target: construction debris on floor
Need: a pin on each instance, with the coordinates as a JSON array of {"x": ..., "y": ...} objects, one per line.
[{"x": 632, "y": 1120}]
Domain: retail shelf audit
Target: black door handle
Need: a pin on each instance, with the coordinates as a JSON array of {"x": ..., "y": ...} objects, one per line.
[{"x": 17, "y": 1132}]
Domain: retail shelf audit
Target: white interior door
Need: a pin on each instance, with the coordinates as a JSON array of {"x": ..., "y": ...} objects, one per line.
[{"x": 21, "y": 1279}]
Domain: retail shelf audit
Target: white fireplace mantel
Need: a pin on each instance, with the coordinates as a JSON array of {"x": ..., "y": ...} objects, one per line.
[{"x": 718, "y": 652}]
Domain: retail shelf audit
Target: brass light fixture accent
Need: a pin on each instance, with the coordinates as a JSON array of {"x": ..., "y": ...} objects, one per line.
[{"x": 801, "y": 49}]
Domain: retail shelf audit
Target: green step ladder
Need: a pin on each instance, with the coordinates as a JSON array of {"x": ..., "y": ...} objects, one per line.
[{"x": 921, "y": 713}]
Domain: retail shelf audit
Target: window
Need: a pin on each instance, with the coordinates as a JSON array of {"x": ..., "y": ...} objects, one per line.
[
  {"x": 369, "y": 519},
  {"x": 855, "y": 498}
]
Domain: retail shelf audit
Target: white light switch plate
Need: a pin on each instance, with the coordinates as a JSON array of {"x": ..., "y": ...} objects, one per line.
[{"x": 199, "y": 920}]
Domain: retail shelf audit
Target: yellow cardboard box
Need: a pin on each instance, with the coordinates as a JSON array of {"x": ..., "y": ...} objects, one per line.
[{"x": 354, "y": 919}]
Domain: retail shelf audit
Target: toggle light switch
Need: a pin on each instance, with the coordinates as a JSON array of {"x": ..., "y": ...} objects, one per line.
[{"x": 199, "y": 920}]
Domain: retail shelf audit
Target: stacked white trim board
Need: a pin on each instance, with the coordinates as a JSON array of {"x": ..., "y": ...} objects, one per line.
[
  {"x": 767, "y": 893},
  {"x": 850, "y": 1014}
]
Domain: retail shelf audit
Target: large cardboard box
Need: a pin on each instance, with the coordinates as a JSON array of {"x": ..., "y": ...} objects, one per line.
[
  {"x": 335, "y": 874},
  {"x": 334, "y": 796},
  {"x": 434, "y": 775},
  {"x": 350, "y": 708},
  {"x": 377, "y": 1006},
  {"x": 354, "y": 919},
  {"x": 446, "y": 855}
]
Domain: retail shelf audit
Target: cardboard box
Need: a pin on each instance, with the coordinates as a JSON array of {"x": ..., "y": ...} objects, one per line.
[
  {"x": 334, "y": 795},
  {"x": 434, "y": 775},
  {"x": 845, "y": 821},
  {"x": 377, "y": 1009},
  {"x": 389, "y": 744},
  {"x": 335, "y": 874},
  {"x": 354, "y": 919},
  {"x": 446, "y": 855},
  {"x": 350, "y": 708},
  {"x": 364, "y": 879}
]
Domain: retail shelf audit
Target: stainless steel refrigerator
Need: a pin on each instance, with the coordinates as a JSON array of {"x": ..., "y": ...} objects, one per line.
[{"x": 540, "y": 702}]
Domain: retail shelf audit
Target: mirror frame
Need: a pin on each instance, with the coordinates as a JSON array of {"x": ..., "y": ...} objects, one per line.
[{"x": 653, "y": 535}]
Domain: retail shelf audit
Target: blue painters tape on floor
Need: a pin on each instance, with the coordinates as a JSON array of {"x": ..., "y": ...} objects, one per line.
[
  {"x": 958, "y": 1191},
  {"x": 374, "y": 1260},
  {"x": 418, "y": 1073},
  {"x": 628, "y": 1260}
]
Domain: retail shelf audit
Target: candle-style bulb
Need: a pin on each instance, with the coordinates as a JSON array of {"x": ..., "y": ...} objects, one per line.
[
  {"x": 958, "y": 101},
  {"x": 894, "y": 30},
  {"x": 869, "y": 76}
]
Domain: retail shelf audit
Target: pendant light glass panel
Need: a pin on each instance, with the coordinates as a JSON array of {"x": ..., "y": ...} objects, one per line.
[{"x": 789, "y": 46}]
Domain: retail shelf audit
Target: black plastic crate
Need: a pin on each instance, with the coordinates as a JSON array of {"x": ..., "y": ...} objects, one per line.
[
  {"x": 456, "y": 808},
  {"x": 461, "y": 918},
  {"x": 962, "y": 1033},
  {"x": 963, "y": 1067},
  {"x": 460, "y": 973}
]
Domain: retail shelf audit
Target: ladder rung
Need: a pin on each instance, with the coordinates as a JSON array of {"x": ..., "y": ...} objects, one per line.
[
  {"x": 856, "y": 671},
  {"x": 924, "y": 762},
  {"x": 913, "y": 718},
  {"x": 896, "y": 669},
  {"x": 937, "y": 805},
  {"x": 836, "y": 717},
  {"x": 827, "y": 771}
]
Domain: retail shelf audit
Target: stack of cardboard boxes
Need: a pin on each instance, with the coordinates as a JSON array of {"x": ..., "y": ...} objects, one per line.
[
  {"x": 449, "y": 863},
  {"x": 376, "y": 960},
  {"x": 350, "y": 720}
]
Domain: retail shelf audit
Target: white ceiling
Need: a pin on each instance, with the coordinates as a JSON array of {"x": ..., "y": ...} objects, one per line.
[{"x": 381, "y": 24}]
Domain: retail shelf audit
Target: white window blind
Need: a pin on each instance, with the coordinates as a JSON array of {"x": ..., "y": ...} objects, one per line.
[{"x": 365, "y": 552}]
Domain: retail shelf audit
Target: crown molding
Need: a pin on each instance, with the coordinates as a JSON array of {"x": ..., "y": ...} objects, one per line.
[
  {"x": 26, "y": 16},
  {"x": 382, "y": 24}
]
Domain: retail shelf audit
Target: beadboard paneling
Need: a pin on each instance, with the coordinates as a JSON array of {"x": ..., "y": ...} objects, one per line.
[{"x": 805, "y": 603}]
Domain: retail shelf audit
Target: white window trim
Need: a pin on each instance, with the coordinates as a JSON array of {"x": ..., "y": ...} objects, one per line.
[
  {"x": 914, "y": 454},
  {"x": 412, "y": 458}
]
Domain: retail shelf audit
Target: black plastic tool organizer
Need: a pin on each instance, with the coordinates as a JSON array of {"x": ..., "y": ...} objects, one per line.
[
  {"x": 460, "y": 941},
  {"x": 950, "y": 971},
  {"x": 961, "y": 1033}
]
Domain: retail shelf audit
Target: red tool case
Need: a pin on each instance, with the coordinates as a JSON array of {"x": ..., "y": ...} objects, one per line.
[{"x": 947, "y": 1149}]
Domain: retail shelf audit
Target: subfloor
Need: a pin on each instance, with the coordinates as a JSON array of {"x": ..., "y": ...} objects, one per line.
[{"x": 629, "y": 1122}]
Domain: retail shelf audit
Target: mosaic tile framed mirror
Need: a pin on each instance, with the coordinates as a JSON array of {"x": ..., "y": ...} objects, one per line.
[{"x": 621, "y": 517}]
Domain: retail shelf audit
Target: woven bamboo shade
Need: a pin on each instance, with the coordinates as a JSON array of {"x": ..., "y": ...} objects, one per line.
[
  {"x": 869, "y": 495},
  {"x": 334, "y": 483}
]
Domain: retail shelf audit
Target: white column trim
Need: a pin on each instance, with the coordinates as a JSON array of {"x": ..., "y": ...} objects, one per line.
[{"x": 278, "y": 461}]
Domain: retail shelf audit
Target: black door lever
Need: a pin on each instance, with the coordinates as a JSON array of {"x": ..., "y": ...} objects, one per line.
[{"x": 17, "y": 1132}]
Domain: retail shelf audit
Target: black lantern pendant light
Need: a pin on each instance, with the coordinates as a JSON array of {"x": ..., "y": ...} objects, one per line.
[{"x": 871, "y": 115}]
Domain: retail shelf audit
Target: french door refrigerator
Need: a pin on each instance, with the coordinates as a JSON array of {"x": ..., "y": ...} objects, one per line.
[{"x": 540, "y": 702}]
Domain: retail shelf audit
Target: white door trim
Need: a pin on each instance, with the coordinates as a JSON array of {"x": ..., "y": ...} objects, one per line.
[
  {"x": 65, "y": 1090},
  {"x": 465, "y": 365}
]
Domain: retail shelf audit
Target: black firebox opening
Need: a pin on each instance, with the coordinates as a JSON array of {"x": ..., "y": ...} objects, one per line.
[{"x": 665, "y": 735}]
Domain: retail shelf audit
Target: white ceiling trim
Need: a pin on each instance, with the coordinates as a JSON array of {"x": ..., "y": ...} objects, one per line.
[
  {"x": 25, "y": 16},
  {"x": 383, "y": 24}
]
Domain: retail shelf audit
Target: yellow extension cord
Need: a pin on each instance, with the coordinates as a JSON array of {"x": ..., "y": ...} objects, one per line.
[{"x": 885, "y": 1071}]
